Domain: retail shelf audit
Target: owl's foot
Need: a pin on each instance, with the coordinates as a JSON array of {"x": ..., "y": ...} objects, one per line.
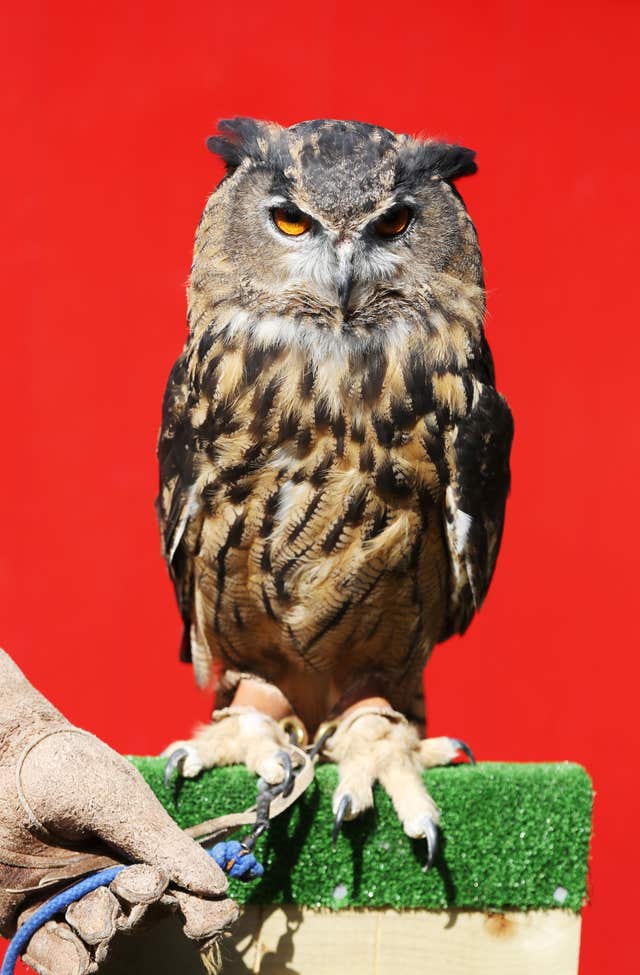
[
  {"x": 236, "y": 736},
  {"x": 378, "y": 744}
]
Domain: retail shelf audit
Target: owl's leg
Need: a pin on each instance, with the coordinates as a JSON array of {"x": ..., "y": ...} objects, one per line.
[
  {"x": 250, "y": 732},
  {"x": 375, "y": 743}
]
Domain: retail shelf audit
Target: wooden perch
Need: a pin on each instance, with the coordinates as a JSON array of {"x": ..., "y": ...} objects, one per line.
[{"x": 503, "y": 898}]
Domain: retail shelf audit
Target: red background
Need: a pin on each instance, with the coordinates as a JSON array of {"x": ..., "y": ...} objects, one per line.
[{"x": 104, "y": 177}]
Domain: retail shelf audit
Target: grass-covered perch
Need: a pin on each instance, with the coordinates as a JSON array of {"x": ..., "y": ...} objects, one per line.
[{"x": 514, "y": 837}]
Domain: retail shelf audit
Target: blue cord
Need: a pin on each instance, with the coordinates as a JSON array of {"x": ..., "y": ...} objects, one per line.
[
  {"x": 231, "y": 856},
  {"x": 237, "y": 860},
  {"x": 49, "y": 909}
]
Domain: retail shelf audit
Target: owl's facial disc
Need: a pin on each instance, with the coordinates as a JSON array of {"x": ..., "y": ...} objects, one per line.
[
  {"x": 334, "y": 222},
  {"x": 343, "y": 260}
]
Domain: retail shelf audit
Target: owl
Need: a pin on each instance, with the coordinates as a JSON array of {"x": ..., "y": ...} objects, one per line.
[{"x": 334, "y": 456}]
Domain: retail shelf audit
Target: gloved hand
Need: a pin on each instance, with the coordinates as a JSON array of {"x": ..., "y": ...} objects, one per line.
[{"x": 70, "y": 805}]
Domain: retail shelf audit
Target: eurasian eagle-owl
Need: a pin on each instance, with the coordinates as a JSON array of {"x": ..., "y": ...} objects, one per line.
[{"x": 334, "y": 457}]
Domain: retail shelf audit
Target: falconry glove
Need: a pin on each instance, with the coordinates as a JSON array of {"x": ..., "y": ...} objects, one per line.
[{"x": 70, "y": 805}]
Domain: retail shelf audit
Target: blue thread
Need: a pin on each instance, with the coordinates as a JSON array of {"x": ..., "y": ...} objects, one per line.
[
  {"x": 244, "y": 867},
  {"x": 49, "y": 909}
]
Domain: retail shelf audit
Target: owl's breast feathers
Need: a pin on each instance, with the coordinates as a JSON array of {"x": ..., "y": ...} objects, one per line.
[{"x": 328, "y": 509}]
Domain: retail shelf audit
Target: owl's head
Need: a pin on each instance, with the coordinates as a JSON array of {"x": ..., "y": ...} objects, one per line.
[{"x": 334, "y": 221}]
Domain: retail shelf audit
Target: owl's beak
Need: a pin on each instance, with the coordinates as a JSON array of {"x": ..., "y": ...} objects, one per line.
[
  {"x": 344, "y": 292},
  {"x": 344, "y": 276}
]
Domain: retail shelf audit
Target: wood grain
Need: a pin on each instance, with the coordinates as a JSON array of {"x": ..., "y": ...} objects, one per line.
[{"x": 299, "y": 941}]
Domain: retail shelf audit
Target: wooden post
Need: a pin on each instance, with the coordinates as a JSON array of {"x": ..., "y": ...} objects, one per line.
[
  {"x": 290, "y": 940},
  {"x": 497, "y": 821}
]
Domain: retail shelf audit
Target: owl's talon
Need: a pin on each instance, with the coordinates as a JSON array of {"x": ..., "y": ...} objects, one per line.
[
  {"x": 462, "y": 746},
  {"x": 342, "y": 812},
  {"x": 430, "y": 831},
  {"x": 267, "y": 792},
  {"x": 289, "y": 776},
  {"x": 175, "y": 761}
]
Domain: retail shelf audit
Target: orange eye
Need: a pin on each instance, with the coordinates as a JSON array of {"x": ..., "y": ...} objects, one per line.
[
  {"x": 291, "y": 221},
  {"x": 393, "y": 223}
]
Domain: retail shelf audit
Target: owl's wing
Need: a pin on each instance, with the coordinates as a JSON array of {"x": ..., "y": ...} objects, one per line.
[
  {"x": 477, "y": 455},
  {"x": 178, "y": 505}
]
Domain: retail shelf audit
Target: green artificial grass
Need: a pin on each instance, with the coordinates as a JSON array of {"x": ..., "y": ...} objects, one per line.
[{"x": 513, "y": 837}]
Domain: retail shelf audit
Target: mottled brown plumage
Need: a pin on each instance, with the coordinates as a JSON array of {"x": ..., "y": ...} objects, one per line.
[{"x": 333, "y": 475}]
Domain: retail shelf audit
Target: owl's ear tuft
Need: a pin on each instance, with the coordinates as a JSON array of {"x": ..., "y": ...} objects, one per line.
[
  {"x": 453, "y": 161},
  {"x": 424, "y": 160},
  {"x": 238, "y": 139}
]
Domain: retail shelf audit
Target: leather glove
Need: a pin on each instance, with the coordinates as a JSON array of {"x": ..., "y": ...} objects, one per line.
[{"x": 70, "y": 805}]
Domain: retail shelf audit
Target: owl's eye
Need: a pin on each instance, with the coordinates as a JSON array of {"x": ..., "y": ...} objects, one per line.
[
  {"x": 291, "y": 221},
  {"x": 393, "y": 223}
]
